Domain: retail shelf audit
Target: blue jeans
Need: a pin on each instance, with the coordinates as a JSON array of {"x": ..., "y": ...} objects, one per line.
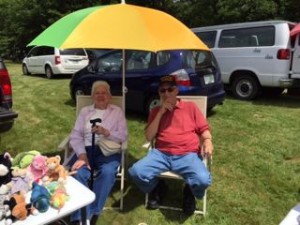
[
  {"x": 105, "y": 168},
  {"x": 144, "y": 172}
]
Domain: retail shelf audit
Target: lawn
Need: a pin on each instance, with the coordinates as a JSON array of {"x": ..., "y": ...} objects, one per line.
[{"x": 256, "y": 163}]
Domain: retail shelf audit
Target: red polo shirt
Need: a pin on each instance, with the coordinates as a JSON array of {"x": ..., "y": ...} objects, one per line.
[{"x": 179, "y": 130}]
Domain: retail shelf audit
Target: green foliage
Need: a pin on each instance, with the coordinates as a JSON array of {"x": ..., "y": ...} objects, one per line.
[
  {"x": 246, "y": 10},
  {"x": 255, "y": 163},
  {"x": 23, "y": 20}
]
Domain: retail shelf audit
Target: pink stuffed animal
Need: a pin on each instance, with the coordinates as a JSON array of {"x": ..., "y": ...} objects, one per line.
[{"x": 38, "y": 168}]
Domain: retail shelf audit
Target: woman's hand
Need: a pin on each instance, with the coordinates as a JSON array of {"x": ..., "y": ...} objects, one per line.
[
  {"x": 81, "y": 161},
  {"x": 100, "y": 130}
]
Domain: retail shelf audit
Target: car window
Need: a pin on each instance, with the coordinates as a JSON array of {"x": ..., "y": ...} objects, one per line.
[
  {"x": 33, "y": 52},
  {"x": 247, "y": 37},
  {"x": 162, "y": 58},
  {"x": 139, "y": 60},
  {"x": 208, "y": 37},
  {"x": 75, "y": 51},
  {"x": 110, "y": 63},
  {"x": 197, "y": 59},
  {"x": 46, "y": 50},
  {"x": 94, "y": 53}
]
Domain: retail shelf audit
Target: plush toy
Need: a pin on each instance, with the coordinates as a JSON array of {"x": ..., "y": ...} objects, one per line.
[
  {"x": 21, "y": 181},
  {"x": 5, "y": 172},
  {"x": 17, "y": 209},
  {"x": 38, "y": 168},
  {"x": 58, "y": 194},
  {"x": 24, "y": 159},
  {"x": 56, "y": 171},
  {"x": 3, "y": 197},
  {"x": 40, "y": 197}
]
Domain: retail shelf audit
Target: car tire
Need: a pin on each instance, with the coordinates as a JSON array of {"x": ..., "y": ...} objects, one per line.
[
  {"x": 151, "y": 103},
  {"x": 6, "y": 126},
  {"x": 78, "y": 91},
  {"x": 25, "y": 70},
  {"x": 245, "y": 87},
  {"x": 48, "y": 72}
]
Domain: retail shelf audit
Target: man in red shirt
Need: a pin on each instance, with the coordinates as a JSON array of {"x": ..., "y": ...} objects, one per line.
[{"x": 176, "y": 127}]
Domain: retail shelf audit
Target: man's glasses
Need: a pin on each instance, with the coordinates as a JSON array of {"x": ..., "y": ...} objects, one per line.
[{"x": 169, "y": 89}]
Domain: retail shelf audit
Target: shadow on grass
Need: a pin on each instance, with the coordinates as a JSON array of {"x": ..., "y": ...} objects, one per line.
[
  {"x": 283, "y": 100},
  {"x": 55, "y": 77}
]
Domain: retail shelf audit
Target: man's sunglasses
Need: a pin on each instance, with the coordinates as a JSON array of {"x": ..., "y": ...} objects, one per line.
[{"x": 169, "y": 89}]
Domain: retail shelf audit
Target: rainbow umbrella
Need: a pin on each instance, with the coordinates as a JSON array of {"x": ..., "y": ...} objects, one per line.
[{"x": 119, "y": 26}]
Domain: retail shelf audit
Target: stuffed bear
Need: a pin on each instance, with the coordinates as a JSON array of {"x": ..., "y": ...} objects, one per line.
[
  {"x": 17, "y": 209},
  {"x": 38, "y": 168},
  {"x": 21, "y": 181},
  {"x": 24, "y": 159},
  {"x": 56, "y": 171},
  {"x": 5, "y": 172},
  {"x": 3, "y": 197},
  {"x": 40, "y": 197}
]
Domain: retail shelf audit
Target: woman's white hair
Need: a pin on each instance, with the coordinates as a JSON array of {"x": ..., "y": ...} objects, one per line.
[{"x": 99, "y": 83}]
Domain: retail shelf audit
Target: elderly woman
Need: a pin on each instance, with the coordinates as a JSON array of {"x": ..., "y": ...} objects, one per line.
[{"x": 89, "y": 157}]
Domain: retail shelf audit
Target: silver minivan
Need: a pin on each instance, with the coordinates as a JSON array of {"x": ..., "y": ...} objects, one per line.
[
  {"x": 53, "y": 61},
  {"x": 254, "y": 55}
]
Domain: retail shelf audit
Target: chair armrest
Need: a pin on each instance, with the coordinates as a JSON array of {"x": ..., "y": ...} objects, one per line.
[
  {"x": 208, "y": 162},
  {"x": 124, "y": 145},
  {"x": 64, "y": 145},
  {"x": 147, "y": 145}
]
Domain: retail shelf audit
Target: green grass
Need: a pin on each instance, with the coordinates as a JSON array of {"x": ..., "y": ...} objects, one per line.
[{"x": 256, "y": 164}]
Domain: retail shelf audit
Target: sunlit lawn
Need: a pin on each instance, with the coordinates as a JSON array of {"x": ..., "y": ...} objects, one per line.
[{"x": 256, "y": 164}]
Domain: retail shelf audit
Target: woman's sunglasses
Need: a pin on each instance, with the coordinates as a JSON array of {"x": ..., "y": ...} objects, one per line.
[{"x": 169, "y": 89}]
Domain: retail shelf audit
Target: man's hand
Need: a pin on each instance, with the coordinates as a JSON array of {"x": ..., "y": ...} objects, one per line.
[
  {"x": 207, "y": 147},
  {"x": 167, "y": 104}
]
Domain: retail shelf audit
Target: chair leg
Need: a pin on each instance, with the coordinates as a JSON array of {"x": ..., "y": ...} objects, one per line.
[
  {"x": 197, "y": 211},
  {"x": 204, "y": 203},
  {"x": 122, "y": 190}
]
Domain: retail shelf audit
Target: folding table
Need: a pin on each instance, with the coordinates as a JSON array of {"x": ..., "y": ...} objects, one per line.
[
  {"x": 80, "y": 196},
  {"x": 293, "y": 217}
]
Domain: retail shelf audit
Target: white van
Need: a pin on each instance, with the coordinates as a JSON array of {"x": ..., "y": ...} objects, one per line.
[
  {"x": 52, "y": 61},
  {"x": 254, "y": 55}
]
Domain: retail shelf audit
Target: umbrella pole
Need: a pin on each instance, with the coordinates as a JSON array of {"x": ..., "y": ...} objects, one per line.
[{"x": 124, "y": 89}]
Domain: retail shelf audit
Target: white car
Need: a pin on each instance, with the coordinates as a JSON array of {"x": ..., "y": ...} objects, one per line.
[
  {"x": 254, "y": 56},
  {"x": 53, "y": 61}
]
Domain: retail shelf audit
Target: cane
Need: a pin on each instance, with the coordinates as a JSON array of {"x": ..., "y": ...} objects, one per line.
[{"x": 93, "y": 122}]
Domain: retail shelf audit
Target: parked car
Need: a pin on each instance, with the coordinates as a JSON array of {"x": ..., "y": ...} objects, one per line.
[
  {"x": 255, "y": 56},
  {"x": 7, "y": 116},
  {"x": 94, "y": 53},
  {"x": 53, "y": 61},
  {"x": 196, "y": 72}
]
